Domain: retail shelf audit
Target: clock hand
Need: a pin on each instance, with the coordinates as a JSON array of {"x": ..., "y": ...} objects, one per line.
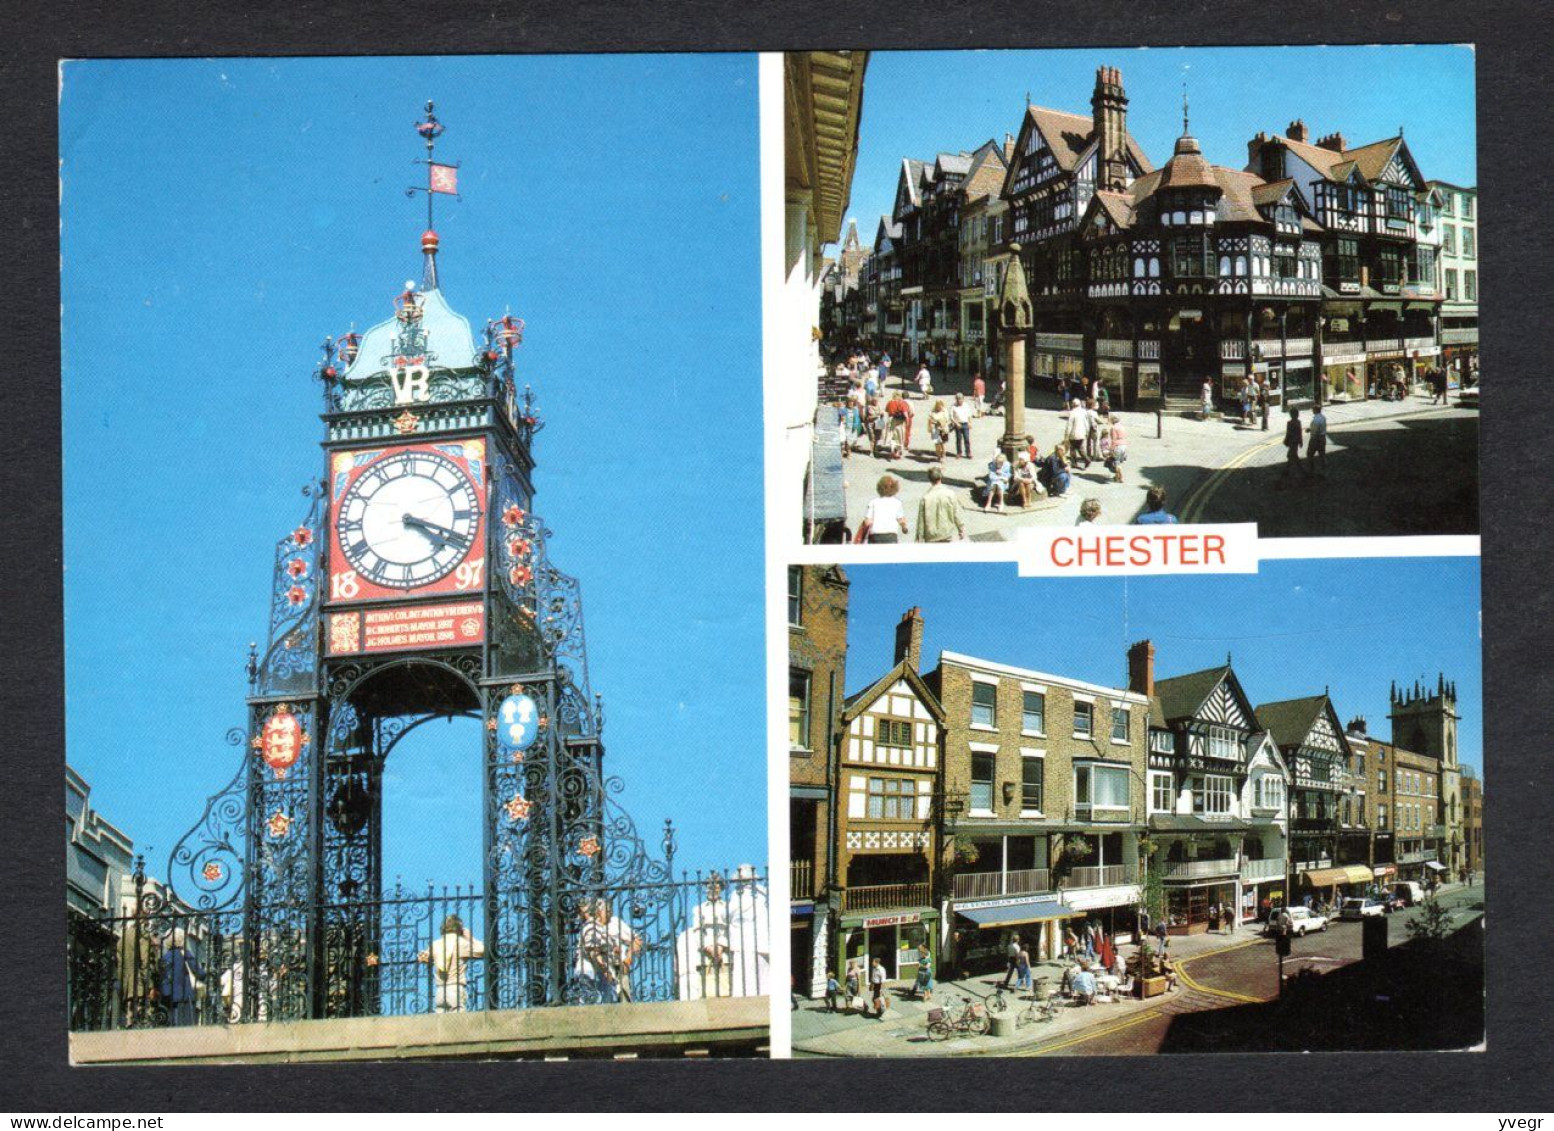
[{"x": 441, "y": 533}]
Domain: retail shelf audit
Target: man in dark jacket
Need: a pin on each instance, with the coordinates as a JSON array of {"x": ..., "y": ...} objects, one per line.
[{"x": 1292, "y": 441}]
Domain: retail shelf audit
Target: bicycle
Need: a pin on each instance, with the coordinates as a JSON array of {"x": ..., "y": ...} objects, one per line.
[
  {"x": 1041, "y": 1008},
  {"x": 973, "y": 1019}
]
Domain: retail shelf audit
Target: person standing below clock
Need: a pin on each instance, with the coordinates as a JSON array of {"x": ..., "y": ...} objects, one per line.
[{"x": 449, "y": 956}]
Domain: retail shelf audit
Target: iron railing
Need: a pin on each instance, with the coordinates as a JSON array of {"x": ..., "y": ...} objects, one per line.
[
  {"x": 881, "y": 896},
  {"x": 405, "y": 954},
  {"x": 1018, "y": 881}
]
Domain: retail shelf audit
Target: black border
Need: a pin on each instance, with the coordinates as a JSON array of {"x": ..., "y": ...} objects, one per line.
[{"x": 1514, "y": 94}]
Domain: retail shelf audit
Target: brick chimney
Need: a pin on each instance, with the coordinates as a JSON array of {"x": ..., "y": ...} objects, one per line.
[
  {"x": 1008, "y": 147},
  {"x": 1333, "y": 141},
  {"x": 1297, "y": 131},
  {"x": 1141, "y": 668},
  {"x": 1357, "y": 725},
  {"x": 909, "y": 638},
  {"x": 1254, "y": 152},
  {"x": 1109, "y": 115}
]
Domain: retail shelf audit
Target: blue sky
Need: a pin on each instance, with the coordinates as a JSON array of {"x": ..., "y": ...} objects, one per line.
[
  {"x": 917, "y": 104},
  {"x": 1349, "y": 625},
  {"x": 221, "y": 217}
]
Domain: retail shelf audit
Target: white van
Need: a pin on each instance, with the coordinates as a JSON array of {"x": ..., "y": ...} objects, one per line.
[{"x": 1409, "y": 892}]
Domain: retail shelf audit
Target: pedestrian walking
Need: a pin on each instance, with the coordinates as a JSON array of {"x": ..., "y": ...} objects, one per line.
[
  {"x": 1154, "y": 512},
  {"x": 938, "y": 511},
  {"x": 978, "y": 393},
  {"x": 923, "y": 987},
  {"x": 1093, "y": 433},
  {"x": 924, "y": 382},
  {"x": 833, "y": 992},
  {"x": 1078, "y": 432},
  {"x": 1116, "y": 446},
  {"x": 1316, "y": 442},
  {"x": 1292, "y": 439},
  {"x": 1012, "y": 955},
  {"x": 1213, "y": 917},
  {"x": 853, "y": 985},
  {"x": 1023, "y": 970},
  {"x": 939, "y": 428},
  {"x": 877, "y": 985},
  {"x": 1162, "y": 938},
  {"x": 898, "y": 429},
  {"x": 884, "y": 519},
  {"x": 1207, "y": 393},
  {"x": 960, "y": 420}
]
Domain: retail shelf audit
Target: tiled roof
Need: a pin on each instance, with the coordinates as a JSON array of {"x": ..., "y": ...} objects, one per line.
[
  {"x": 1187, "y": 167},
  {"x": 1070, "y": 135},
  {"x": 1182, "y": 695},
  {"x": 1372, "y": 159},
  {"x": 1289, "y": 721},
  {"x": 1117, "y": 205}
]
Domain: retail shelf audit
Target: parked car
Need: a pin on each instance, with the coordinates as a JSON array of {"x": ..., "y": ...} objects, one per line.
[
  {"x": 1302, "y": 921},
  {"x": 1409, "y": 892},
  {"x": 1361, "y": 907}
]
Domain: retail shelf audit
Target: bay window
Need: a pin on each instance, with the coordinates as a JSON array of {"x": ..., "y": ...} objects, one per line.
[{"x": 1100, "y": 791}]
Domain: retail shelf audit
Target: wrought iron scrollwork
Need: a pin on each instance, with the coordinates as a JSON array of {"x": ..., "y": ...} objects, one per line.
[
  {"x": 207, "y": 862},
  {"x": 289, "y": 665}
]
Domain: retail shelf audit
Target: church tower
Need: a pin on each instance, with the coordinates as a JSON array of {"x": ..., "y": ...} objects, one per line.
[{"x": 1425, "y": 721}]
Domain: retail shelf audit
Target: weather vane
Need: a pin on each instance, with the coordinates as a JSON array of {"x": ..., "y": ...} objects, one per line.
[{"x": 441, "y": 177}]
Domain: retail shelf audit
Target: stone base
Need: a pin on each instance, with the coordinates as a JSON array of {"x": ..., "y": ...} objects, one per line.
[
  {"x": 1045, "y": 503},
  {"x": 709, "y": 1027}
]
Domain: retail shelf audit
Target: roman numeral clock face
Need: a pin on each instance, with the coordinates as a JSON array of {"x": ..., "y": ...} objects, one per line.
[{"x": 407, "y": 519}]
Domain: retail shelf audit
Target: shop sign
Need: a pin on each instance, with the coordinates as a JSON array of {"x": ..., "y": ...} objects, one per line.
[{"x": 893, "y": 920}]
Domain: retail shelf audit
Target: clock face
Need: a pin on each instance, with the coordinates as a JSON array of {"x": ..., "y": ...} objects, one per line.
[{"x": 408, "y": 519}]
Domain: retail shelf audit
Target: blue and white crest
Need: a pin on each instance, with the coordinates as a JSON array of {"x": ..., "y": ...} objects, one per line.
[{"x": 518, "y": 722}]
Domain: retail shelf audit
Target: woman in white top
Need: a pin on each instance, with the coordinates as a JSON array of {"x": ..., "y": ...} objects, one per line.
[{"x": 885, "y": 518}]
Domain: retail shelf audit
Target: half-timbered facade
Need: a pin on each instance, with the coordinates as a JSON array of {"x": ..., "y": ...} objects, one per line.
[
  {"x": 1381, "y": 235},
  {"x": 885, "y": 811},
  {"x": 1197, "y": 272},
  {"x": 1202, "y": 742},
  {"x": 1060, "y": 161},
  {"x": 1320, "y": 761},
  {"x": 1265, "y": 850},
  {"x": 882, "y": 304}
]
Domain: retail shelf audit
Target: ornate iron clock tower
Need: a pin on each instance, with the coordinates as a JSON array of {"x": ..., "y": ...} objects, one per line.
[{"x": 418, "y": 587}]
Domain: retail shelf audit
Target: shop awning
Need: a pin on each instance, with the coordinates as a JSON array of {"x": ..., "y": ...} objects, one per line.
[
  {"x": 1025, "y": 911},
  {"x": 1350, "y": 874},
  {"x": 1435, "y": 865}
]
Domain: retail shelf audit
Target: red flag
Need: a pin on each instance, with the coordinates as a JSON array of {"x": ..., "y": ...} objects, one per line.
[{"x": 445, "y": 179}]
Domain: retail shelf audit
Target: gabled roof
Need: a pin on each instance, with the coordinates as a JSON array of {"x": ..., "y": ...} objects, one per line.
[
  {"x": 955, "y": 164},
  {"x": 888, "y": 230},
  {"x": 1117, "y": 206},
  {"x": 855, "y": 704},
  {"x": 911, "y": 172},
  {"x": 1372, "y": 159},
  {"x": 1271, "y": 192},
  {"x": 1182, "y": 695},
  {"x": 1291, "y": 720},
  {"x": 986, "y": 176},
  {"x": 1070, "y": 135}
]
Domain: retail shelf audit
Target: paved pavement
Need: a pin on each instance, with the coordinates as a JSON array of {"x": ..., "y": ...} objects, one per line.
[
  {"x": 1216, "y": 971},
  {"x": 1385, "y": 457}
]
